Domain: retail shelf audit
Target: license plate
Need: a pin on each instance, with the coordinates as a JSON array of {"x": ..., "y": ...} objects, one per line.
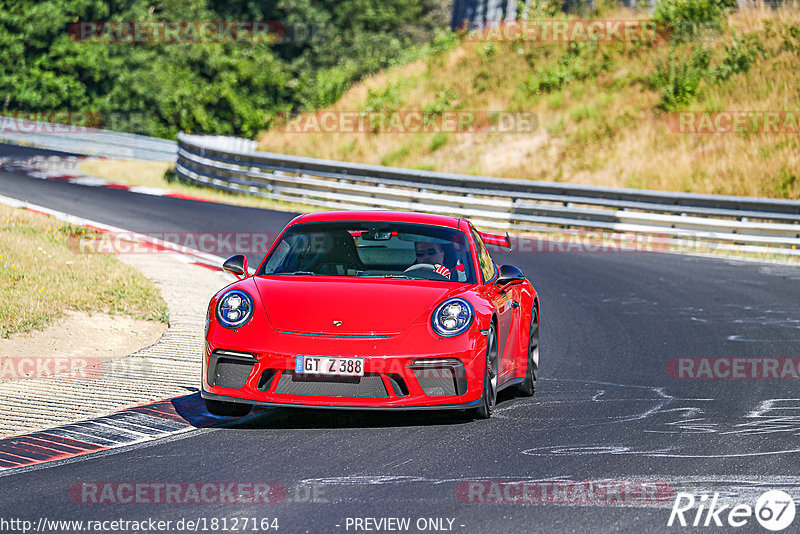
[{"x": 329, "y": 366}]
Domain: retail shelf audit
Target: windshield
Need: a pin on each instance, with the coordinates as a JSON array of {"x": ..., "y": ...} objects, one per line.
[{"x": 372, "y": 249}]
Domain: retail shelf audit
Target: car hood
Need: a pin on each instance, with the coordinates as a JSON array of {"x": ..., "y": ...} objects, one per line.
[{"x": 311, "y": 304}]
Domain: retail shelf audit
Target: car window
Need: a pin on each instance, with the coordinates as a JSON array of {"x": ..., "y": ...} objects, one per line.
[
  {"x": 485, "y": 261},
  {"x": 278, "y": 256},
  {"x": 373, "y": 249}
]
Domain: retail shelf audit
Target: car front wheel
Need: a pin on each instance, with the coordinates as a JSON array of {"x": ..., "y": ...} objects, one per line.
[
  {"x": 489, "y": 398},
  {"x": 528, "y": 386}
]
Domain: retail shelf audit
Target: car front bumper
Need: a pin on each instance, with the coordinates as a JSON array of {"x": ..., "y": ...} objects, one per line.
[{"x": 448, "y": 375}]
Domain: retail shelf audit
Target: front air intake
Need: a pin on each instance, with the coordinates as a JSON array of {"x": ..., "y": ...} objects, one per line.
[
  {"x": 229, "y": 369},
  {"x": 369, "y": 385},
  {"x": 436, "y": 382},
  {"x": 440, "y": 378}
]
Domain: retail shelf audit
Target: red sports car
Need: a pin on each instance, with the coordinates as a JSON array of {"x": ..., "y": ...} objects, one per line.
[{"x": 372, "y": 310}]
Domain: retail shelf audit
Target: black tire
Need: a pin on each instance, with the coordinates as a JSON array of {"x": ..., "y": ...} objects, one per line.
[
  {"x": 528, "y": 386},
  {"x": 489, "y": 397},
  {"x": 227, "y": 409}
]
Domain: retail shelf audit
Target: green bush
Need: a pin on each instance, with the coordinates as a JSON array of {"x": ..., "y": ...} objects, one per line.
[
  {"x": 443, "y": 40},
  {"x": 444, "y": 101},
  {"x": 581, "y": 61},
  {"x": 791, "y": 39},
  {"x": 538, "y": 9},
  {"x": 487, "y": 50},
  {"x": 548, "y": 80},
  {"x": 740, "y": 55},
  {"x": 482, "y": 81},
  {"x": 231, "y": 88},
  {"x": 787, "y": 183},
  {"x": 679, "y": 81},
  {"x": 439, "y": 140},
  {"x": 688, "y": 20},
  {"x": 386, "y": 99}
]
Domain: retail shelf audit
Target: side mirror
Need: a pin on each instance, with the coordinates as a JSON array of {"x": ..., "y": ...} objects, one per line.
[
  {"x": 509, "y": 275},
  {"x": 236, "y": 265}
]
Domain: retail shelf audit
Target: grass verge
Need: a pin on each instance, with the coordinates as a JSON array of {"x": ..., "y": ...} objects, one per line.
[
  {"x": 155, "y": 174},
  {"x": 41, "y": 276}
]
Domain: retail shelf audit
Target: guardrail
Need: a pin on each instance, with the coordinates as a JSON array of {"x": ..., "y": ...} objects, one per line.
[
  {"x": 521, "y": 205},
  {"x": 86, "y": 141}
]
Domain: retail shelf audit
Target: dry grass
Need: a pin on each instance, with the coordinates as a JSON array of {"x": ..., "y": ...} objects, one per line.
[
  {"x": 604, "y": 130},
  {"x": 131, "y": 172},
  {"x": 41, "y": 276},
  {"x": 152, "y": 174}
]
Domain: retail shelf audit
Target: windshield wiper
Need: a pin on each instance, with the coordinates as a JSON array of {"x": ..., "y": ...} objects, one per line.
[{"x": 309, "y": 273}]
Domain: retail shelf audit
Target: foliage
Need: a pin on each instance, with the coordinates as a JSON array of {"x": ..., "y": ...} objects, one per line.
[
  {"x": 581, "y": 61},
  {"x": 692, "y": 19},
  {"x": 225, "y": 88},
  {"x": 444, "y": 101},
  {"x": 538, "y": 9},
  {"x": 679, "y": 80},
  {"x": 741, "y": 54}
]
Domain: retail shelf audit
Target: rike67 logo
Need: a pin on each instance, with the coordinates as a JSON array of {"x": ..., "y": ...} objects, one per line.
[{"x": 774, "y": 510}]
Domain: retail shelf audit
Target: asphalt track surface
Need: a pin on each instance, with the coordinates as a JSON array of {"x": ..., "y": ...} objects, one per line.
[{"x": 606, "y": 407}]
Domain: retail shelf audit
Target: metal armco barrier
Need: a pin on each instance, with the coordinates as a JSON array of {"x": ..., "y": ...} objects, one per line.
[
  {"x": 86, "y": 141},
  {"x": 493, "y": 202}
]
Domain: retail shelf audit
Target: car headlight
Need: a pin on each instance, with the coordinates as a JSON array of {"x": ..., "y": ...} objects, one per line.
[
  {"x": 452, "y": 317},
  {"x": 234, "y": 308}
]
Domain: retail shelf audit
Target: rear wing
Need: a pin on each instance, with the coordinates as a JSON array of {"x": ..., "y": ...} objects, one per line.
[{"x": 496, "y": 240}]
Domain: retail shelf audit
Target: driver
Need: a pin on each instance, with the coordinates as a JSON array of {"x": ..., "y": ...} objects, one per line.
[{"x": 432, "y": 254}]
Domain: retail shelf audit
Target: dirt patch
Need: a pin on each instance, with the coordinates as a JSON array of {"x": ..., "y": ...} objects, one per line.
[{"x": 85, "y": 337}]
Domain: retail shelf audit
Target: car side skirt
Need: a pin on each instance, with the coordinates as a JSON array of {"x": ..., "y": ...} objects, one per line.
[{"x": 510, "y": 382}]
